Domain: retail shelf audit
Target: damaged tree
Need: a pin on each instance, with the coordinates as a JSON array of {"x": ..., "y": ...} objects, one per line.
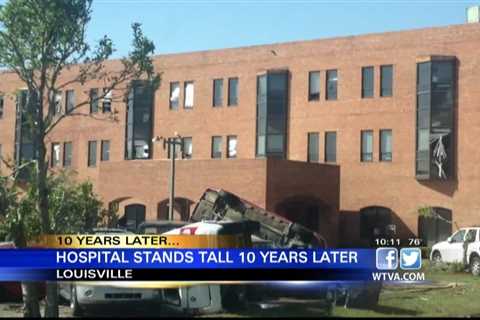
[{"x": 39, "y": 41}]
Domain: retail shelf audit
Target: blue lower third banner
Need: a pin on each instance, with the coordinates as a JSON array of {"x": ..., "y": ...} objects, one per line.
[{"x": 186, "y": 264}]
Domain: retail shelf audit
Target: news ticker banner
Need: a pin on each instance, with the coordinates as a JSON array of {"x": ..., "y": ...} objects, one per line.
[{"x": 154, "y": 258}]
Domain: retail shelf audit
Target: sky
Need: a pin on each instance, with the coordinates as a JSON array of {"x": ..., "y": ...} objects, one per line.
[{"x": 192, "y": 25}]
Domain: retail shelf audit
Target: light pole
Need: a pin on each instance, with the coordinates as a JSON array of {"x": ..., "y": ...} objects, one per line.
[{"x": 171, "y": 144}]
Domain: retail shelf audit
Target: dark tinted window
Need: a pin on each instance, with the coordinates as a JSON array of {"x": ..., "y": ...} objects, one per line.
[
  {"x": 314, "y": 85},
  {"x": 217, "y": 92},
  {"x": 385, "y": 145},
  {"x": 232, "y": 91},
  {"x": 93, "y": 100},
  {"x": 330, "y": 147},
  {"x": 216, "y": 147},
  {"x": 1, "y": 106},
  {"x": 367, "y": 146},
  {"x": 367, "y": 82},
  {"x": 105, "y": 156},
  {"x": 332, "y": 79},
  {"x": 386, "y": 81},
  {"x": 92, "y": 153},
  {"x": 67, "y": 154},
  {"x": 70, "y": 100},
  {"x": 312, "y": 147},
  {"x": 107, "y": 101}
]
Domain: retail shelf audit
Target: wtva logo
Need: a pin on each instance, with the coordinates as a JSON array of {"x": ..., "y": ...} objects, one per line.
[{"x": 387, "y": 258}]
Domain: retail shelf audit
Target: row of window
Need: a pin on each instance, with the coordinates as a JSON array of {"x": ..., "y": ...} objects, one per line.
[
  {"x": 366, "y": 152},
  {"x": 386, "y": 76},
  {"x": 65, "y": 158},
  {"x": 368, "y": 75},
  {"x": 217, "y": 100},
  {"x": 185, "y": 150}
]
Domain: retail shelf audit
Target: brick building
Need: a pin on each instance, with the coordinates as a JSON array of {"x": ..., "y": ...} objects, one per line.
[{"x": 352, "y": 136}]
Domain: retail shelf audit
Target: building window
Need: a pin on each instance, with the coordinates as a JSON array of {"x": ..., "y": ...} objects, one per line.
[
  {"x": 187, "y": 148},
  {"x": 231, "y": 146},
  {"x": 1, "y": 107},
  {"x": 232, "y": 91},
  {"x": 139, "y": 126},
  {"x": 436, "y": 92},
  {"x": 312, "y": 152},
  {"x": 189, "y": 94},
  {"x": 385, "y": 145},
  {"x": 55, "y": 155},
  {"x": 331, "y": 147},
  {"x": 105, "y": 155},
  {"x": 93, "y": 100},
  {"x": 216, "y": 147},
  {"x": 272, "y": 110},
  {"x": 314, "y": 85},
  {"x": 67, "y": 154},
  {"x": 107, "y": 101},
  {"x": 386, "y": 81},
  {"x": 367, "y": 146},
  {"x": 174, "y": 95},
  {"x": 92, "y": 153},
  {"x": 55, "y": 106},
  {"x": 217, "y": 92},
  {"x": 332, "y": 80},
  {"x": 69, "y": 101},
  {"x": 367, "y": 82}
]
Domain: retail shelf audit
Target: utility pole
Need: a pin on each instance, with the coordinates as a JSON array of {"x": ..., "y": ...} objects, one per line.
[{"x": 171, "y": 144}]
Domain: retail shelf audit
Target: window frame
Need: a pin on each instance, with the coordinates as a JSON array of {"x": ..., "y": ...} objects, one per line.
[
  {"x": 68, "y": 100},
  {"x": 229, "y": 98},
  {"x": 326, "y": 160},
  {"x": 184, "y": 154},
  {"x": 103, "y": 152},
  {"x": 328, "y": 95},
  {"x": 55, "y": 164},
  {"x": 2, "y": 106},
  {"x": 215, "y": 102},
  {"x": 314, "y": 96},
  {"x": 171, "y": 106},
  {"x": 94, "y": 101},
  {"x": 382, "y": 67},
  {"x": 229, "y": 138},
  {"x": 362, "y": 153},
  {"x": 92, "y": 162},
  {"x": 368, "y": 93},
  {"x": 380, "y": 140},
  {"x": 216, "y": 154},
  {"x": 64, "y": 160},
  {"x": 310, "y": 152},
  {"x": 185, "y": 84}
]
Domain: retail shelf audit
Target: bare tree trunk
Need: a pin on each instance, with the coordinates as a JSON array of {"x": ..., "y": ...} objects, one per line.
[{"x": 31, "y": 307}]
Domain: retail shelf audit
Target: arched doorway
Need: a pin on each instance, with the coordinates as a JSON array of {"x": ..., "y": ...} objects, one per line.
[
  {"x": 181, "y": 210},
  {"x": 434, "y": 224},
  {"x": 134, "y": 216},
  {"x": 376, "y": 222}
]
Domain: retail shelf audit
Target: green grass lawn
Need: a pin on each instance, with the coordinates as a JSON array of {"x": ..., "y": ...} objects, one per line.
[{"x": 460, "y": 298}]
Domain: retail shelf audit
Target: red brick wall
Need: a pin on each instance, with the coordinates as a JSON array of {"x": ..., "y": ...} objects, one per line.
[{"x": 392, "y": 185}]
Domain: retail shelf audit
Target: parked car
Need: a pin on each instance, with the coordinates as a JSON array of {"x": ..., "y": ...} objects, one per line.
[
  {"x": 84, "y": 295},
  {"x": 452, "y": 250}
]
